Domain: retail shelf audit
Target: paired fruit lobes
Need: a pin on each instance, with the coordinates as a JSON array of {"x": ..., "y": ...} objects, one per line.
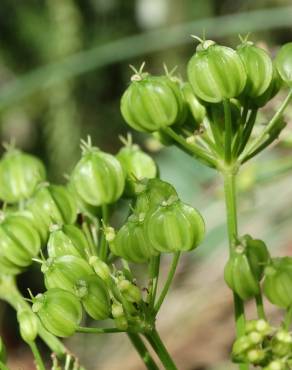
[
  {"x": 244, "y": 269},
  {"x": 98, "y": 177},
  {"x": 216, "y": 73},
  {"x": 284, "y": 63},
  {"x": 52, "y": 204},
  {"x": 278, "y": 282},
  {"x": 19, "y": 243},
  {"x": 60, "y": 311},
  {"x": 152, "y": 103},
  {"x": 136, "y": 165},
  {"x": 20, "y": 174}
]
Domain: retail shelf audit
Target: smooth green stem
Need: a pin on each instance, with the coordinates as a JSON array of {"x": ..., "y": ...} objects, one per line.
[
  {"x": 192, "y": 149},
  {"x": 142, "y": 351},
  {"x": 231, "y": 212},
  {"x": 168, "y": 282},
  {"x": 288, "y": 319},
  {"x": 37, "y": 356},
  {"x": 82, "y": 329},
  {"x": 271, "y": 124},
  {"x": 247, "y": 130},
  {"x": 154, "y": 270},
  {"x": 260, "y": 306},
  {"x": 89, "y": 238},
  {"x": 103, "y": 244},
  {"x": 228, "y": 130},
  {"x": 161, "y": 351},
  {"x": 10, "y": 294}
]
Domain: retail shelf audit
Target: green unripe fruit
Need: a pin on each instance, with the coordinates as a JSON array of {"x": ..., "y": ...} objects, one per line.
[
  {"x": 20, "y": 173},
  {"x": 130, "y": 291},
  {"x": 260, "y": 326},
  {"x": 197, "y": 110},
  {"x": 131, "y": 242},
  {"x": 19, "y": 243},
  {"x": 98, "y": 177},
  {"x": 276, "y": 365},
  {"x": 272, "y": 90},
  {"x": 64, "y": 272},
  {"x": 216, "y": 73},
  {"x": 136, "y": 165},
  {"x": 259, "y": 69},
  {"x": 239, "y": 348},
  {"x": 278, "y": 282},
  {"x": 3, "y": 356},
  {"x": 94, "y": 297},
  {"x": 152, "y": 193},
  {"x": 256, "y": 356},
  {"x": 60, "y": 311},
  {"x": 28, "y": 325},
  {"x": 53, "y": 204},
  {"x": 151, "y": 103},
  {"x": 284, "y": 63},
  {"x": 174, "y": 227},
  {"x": 282, "y": 343},
  {"x": 100, "y": 268},
  {"x": 67, "y": 240},
  {"x": 255, "y": 337}
]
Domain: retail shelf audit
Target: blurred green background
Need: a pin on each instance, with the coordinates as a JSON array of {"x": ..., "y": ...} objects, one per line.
[{"x": 63, "y": 68}]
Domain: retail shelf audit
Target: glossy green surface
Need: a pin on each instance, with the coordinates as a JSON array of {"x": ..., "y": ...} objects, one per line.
[{"x": 284, "y": 63}]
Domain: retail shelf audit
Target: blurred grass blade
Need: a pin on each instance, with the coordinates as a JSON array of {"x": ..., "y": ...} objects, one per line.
[{"x": 137, "y": 45}]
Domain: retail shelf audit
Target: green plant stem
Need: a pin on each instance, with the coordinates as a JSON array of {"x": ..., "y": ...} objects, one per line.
[
  {"x": 37, "y": 356},
  {"x": 10, "y": 294},
  {"x": 103, "y": 244},
  {"x": 167, "y": 284},
  {"x": 161, "y": 351},
  {"x": 154, "y": 270},
  {"x": 89, "y": 238},
  {"x": 231, "y": 212},
  {"x": 228, "y": 130},
  {"x": 82, "y": 329},
  {"x": 260, "y": 306},
  {"x": 142, "y": 351},
  {"x": 247, "y": 130},
  {"x": 288, "y": 319},
  {"x": 192, "y": 149}
]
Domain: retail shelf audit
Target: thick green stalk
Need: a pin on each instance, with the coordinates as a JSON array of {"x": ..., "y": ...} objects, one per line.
[
  {"x": 161, "y": 351},
  {"x": 142, "y": 351},
  {"x": 231, "y": 212},
  {"x": 82, "y": 329},
  {"x": 260, "y": 306},
  {"x": 37, "y": 356},
  {"x": 288, "y": 319}
]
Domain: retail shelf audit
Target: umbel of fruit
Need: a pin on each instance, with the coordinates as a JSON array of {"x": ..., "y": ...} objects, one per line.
[
  {"x": 98, "y": 177},
  {"x": 20, "y": 173},
  {"x": 52, "y": 204},
  {"x": 174, "y": 227},
  {"x": 259, "y": 69},
  {"x": 151, "y": 103},
  {"x": 284, "y": 63},
  {"x": 60, "y": 311},
  {"x": 278, "y": 280},
  {"x": 131, "y": 242},
  {"x": 64, "y": 272},
  {"x": 216, "y": 72},
  {"x": 244, "y": 268},
  {"x": 94, "y": 296},
  {"x": 67, "y": 240},
  {"x": 136, "y": 165},
  {"x": 19, "y": 243}
]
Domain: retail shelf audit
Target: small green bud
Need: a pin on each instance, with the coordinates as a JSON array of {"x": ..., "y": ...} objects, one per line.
[
  {"x": 255, "y": 337},
  {"x": 275, "y": 365},
  {"x": 241, "y": 345},
  {"x": 100, "y": 268},
  {"x": 256, "y": 356},
  {"x": 28, "y": 325},
  {"x": 281, "y": 343},
  {"x": 130, "y": 291},
  {"x": 117, "y": 310},
  {"x": 121, "y": 323}
]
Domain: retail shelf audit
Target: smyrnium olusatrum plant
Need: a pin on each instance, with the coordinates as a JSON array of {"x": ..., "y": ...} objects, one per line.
[{"x": 86, "y": 261}]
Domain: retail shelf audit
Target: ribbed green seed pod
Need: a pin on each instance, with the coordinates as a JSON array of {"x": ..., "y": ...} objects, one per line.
[
  {"x": 173, "y": 227},
  {"x": 94, "y": 296},
  {"x": 60, "y": 311},
  {"x": 197, "y": 110},
  {"x": 284, "y": 63},
  {"x": 52, "y": 204},
  {"x": 98, "y": 177},
  {"x": 259, "y": 69},
  {"x": 151, "y": 193},
  {"x": 136, "y": 165},
  {"x": 64, "y": 272},
  {"x": 151, "y": 103},
  {"x": 19, "y": 243},
  {"x": 67, "y": 240},
  {"x": 28, "y": 325},
  {"x": 216, "y": 73},
  {"x": 272, "y": 90},
  {"x": 131, "y": 242},
  {"x": 100, "y": 268},
  {"x": 257, "y": 254},
  {"x": 278, "y": 282},
  {"x": 20, "y": 173}
]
